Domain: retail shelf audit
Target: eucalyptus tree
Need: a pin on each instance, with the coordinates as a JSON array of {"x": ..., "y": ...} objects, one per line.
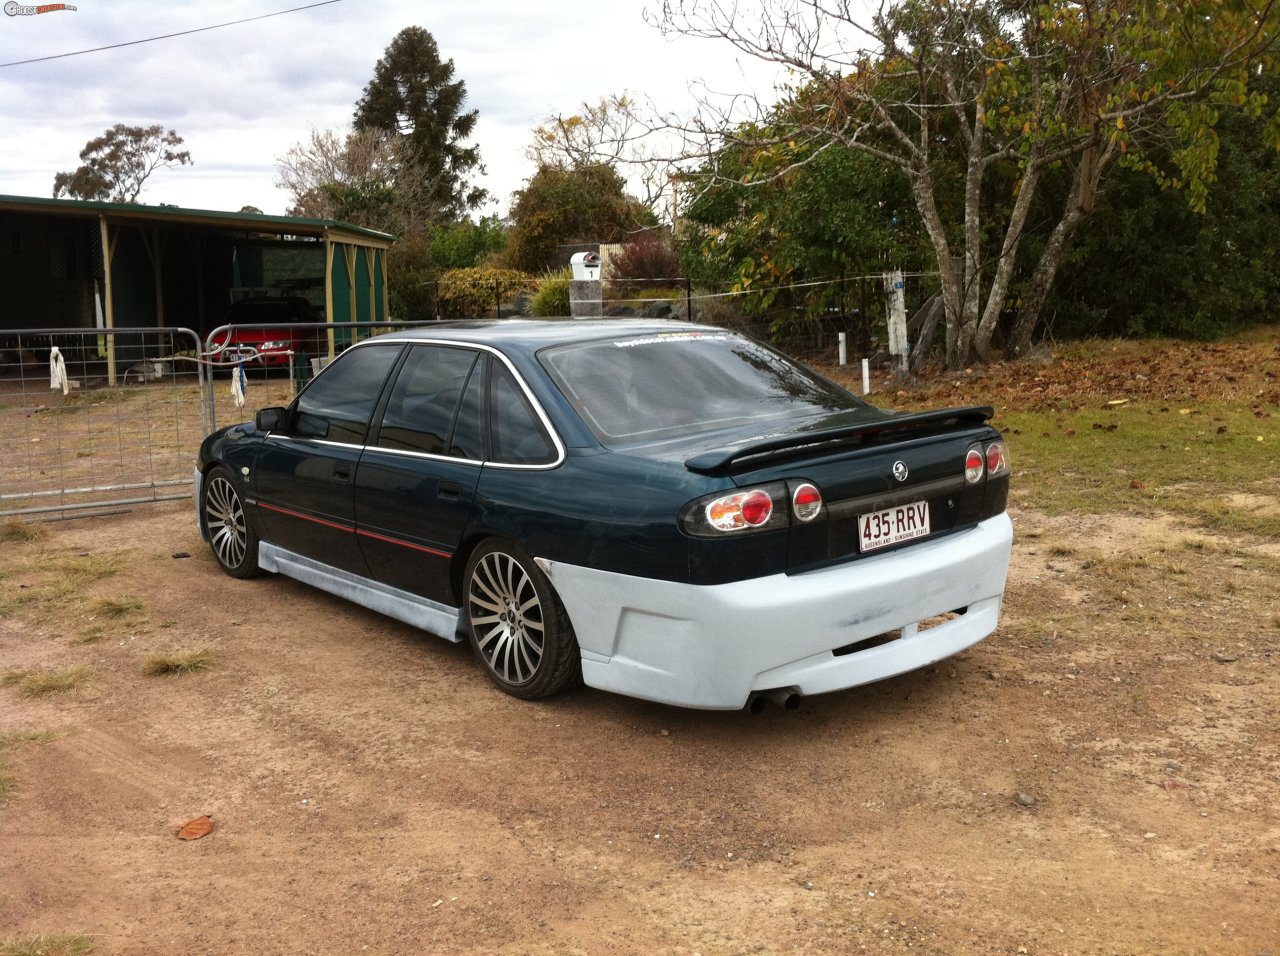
[
  {"x": 975, "y": 100},
  {"x": 116, "y": 165}
]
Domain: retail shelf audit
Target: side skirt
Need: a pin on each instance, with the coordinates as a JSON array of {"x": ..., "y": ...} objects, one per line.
[{"x": 410, "y": 608}]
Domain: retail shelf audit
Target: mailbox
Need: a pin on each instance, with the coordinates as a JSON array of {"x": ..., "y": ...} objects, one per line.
[{"x": 586, "y": 265}]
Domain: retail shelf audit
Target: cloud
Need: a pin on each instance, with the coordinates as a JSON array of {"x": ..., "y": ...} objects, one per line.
[{"x": 242, "y": 95}]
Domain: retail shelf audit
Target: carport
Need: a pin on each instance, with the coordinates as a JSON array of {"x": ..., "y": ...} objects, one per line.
[{"x": 82, "y": 264}]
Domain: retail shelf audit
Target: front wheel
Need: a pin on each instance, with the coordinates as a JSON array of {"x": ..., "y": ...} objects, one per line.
[
  {"x": 517, "y": 626},
  {"x": 234, "y": 542}
]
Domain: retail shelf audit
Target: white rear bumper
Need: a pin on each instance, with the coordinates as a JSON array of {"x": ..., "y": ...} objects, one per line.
[{"x": 712, "y": 646}]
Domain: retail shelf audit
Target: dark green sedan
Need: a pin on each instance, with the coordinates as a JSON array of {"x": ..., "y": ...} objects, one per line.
[{"x": 659, "y": 509}]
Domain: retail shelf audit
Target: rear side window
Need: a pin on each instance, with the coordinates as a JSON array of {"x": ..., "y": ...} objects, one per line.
[
  {"x": 337, "y": 406},
  {"x": 468, "y": 430},
  {"x": 517, "y": 435},
  {"x": 424, "y": 401}
]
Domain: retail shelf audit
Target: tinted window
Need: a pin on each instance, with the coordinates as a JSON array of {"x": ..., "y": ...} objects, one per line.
[
  {"x": 468, "y": 430},
  {"x": 424, "y": 400},
  {"x": 517, "y": 434},
  {"x": 337, "y": 406},
  {"x": 686, "y": 382}
]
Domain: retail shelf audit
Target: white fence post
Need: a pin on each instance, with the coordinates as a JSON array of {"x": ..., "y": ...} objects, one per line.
[{"x": 896, "y": 311}]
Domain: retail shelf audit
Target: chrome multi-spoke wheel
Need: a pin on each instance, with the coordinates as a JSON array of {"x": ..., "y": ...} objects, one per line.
[
  {"x": 518, "y": 628},
  {"x": 234, "y": 543}
]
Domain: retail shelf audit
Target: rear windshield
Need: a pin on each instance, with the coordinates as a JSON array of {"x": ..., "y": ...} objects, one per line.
[{"x": 681, "y": 383}]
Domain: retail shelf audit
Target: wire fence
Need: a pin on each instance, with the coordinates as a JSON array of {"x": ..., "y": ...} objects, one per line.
[
  {"x": 101, "y": 419},
  {"x": 805, "y": 319},
  {"x": 97, "y": 418}
]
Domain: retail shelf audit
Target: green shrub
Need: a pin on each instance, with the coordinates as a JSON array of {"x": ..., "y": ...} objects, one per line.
[
  {"x": 467, "y": 244},
  {"x": 411, "y": 275},
  {"x": 481, "y": 292},
  {"x": 552, "y": 297}
]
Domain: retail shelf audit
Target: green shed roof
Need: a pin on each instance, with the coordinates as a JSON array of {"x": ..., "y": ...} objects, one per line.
[{"x": 250, "y": 221}]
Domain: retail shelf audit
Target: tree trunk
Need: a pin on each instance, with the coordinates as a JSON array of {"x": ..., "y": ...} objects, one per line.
[
  {"x": 924, "y": 340},
  {"x": 922, "y": 192},
  {"x": 1080, "y": 201},
  {"x": 971, "y": 298},
  {"x": 1008, "y": 254}
]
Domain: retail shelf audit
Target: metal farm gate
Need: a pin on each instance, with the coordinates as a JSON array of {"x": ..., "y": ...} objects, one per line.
[
  {"x": 113, "y": 418},
  {"x": 116, "y": 418}
]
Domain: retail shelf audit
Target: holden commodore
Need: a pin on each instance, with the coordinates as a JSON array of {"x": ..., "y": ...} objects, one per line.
[{"x": 658, "y": 509}]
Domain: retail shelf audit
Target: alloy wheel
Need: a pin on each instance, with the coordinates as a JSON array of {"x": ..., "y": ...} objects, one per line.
[{"x": 507, "y": 618}]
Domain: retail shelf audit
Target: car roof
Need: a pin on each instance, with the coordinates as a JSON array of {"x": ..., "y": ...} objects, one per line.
[{"x": 531, "y": 335}]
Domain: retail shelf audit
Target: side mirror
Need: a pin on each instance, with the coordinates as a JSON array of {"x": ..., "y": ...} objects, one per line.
[{"x": 269, "y": 419}]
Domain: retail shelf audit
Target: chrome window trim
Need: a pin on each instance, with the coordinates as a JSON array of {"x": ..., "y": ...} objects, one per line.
[{"x": 427, "y": 456}]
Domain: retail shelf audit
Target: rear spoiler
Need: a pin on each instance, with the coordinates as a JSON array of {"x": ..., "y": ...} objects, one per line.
[{"x": 720, "y": 461}]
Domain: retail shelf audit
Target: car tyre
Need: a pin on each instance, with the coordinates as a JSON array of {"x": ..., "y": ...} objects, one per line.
[
  {"x": 518, "y": 629},
  {"x": 232, "y": 538}
]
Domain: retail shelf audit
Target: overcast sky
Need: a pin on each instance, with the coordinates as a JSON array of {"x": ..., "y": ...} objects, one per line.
[{"x": 242, "y": 95}]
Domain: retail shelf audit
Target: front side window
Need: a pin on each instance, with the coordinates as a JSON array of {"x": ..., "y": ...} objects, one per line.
[
  {"x": 337, "y": 406},
  {"x": 424, "y": 400}
]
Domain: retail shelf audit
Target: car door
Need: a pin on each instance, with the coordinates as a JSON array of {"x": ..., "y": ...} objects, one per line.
[
  {"x": 416, "y": 481},
  {"x": 304, "y": 477}
]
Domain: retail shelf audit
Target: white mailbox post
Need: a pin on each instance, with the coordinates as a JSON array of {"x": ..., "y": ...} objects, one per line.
[
  {"x": 586, "y": 266},
  {"x": 584, "y": 288}
]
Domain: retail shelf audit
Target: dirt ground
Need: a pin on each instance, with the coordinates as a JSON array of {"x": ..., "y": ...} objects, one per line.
[{"x": 1078, "y": 783}]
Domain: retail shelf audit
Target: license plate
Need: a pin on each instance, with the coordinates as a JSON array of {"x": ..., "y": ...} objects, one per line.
[{"x": 893, "y": 526}]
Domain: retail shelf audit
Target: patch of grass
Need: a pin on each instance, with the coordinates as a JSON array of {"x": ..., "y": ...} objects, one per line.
[
  {"x": 58, "y": 578},
  {"x": 48, "y": 683},
  {"x": 1145, "y": 457},
  {"x": 90, "y": 635},
  {"x": 48, "y": 944},
  {"x": 22, "y": 531},
  {"x": 187, "y": 663},
  {"x": 16, "y": 738},
  {"x": 117, "y": 608}
]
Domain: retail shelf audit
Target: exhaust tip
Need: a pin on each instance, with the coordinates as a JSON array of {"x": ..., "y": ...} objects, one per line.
[
  {"x": 784, "y": 698},
  {"x": 755, "y": 704}
]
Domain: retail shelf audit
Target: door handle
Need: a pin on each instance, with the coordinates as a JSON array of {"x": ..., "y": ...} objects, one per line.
[
  {"x": 342, "y": 471},
  {"x": 449, "y": 489}
]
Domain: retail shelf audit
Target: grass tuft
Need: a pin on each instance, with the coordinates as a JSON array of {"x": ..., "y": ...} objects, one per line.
[
  {"x": 22, "y": 531},
  {"x": 15, "y": 738},
  {"x": 90, "y": 635},
  {"x": 117, "y": 607},
  {"x": 47, "y": 683},
  {"x": 48, "y": 944},
  {"x": 187, "y": 663}
]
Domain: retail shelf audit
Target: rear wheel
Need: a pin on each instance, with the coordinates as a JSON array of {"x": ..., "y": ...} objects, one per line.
[
  {"x": 517, "y": 626},
  {"x": 234, "y": 543}
]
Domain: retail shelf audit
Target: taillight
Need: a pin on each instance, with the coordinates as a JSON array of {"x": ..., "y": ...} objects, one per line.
[
  {"x": 747, "y": 509},
  {"x": 997, "y": 459},
  {"x": 761, "y": 508},
  {"x": 973, "y": 465},
  {"x": 806, "y": 502}
]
